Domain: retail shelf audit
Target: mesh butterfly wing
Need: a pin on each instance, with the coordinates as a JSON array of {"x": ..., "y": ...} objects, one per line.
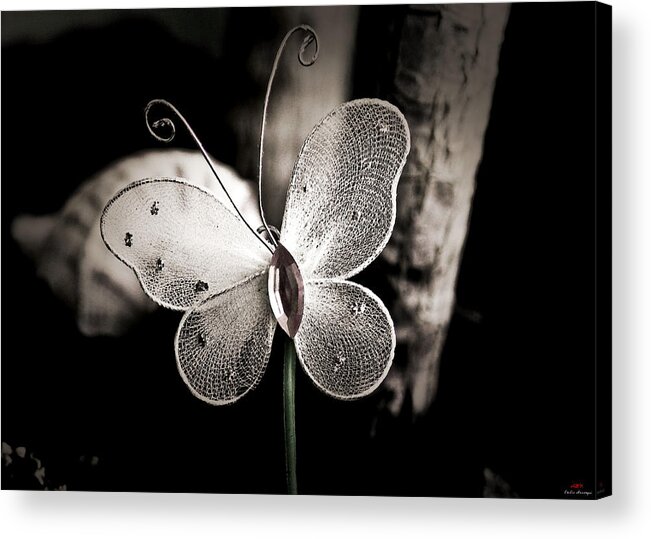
[
  {"x": 346, "y": 340},
  {"x": 181, "y": 242},
  {"x": 341, "y": 201},
  {"x": 223, "y": 344},
  {"x": 191, "y": 253},
  {"x": 339, "y": 214}
]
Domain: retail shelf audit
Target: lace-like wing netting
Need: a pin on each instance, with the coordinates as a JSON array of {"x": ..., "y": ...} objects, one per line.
[
  {"x": 340, "y": 207},
  {"x": 183, "y": 244},
  {"x": 346, "y": 340},
  {"x": 223, "y": 344}
]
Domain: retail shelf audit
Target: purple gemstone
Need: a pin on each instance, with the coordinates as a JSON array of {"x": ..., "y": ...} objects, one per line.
[{"x": 286, "y": 290}]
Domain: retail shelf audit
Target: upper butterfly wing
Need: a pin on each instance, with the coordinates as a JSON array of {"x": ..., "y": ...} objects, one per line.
[
  {"x": 341, "y": 201},
  {"x": 182, "y": 243}
]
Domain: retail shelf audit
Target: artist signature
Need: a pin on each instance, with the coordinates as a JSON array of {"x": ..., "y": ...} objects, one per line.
[{"x": 576, "y": 489}]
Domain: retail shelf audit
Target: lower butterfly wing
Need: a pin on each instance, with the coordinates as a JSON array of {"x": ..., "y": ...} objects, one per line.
[
  {"x": 223, "y": 344},
  {"x": 346, "y": 341},
  {"x": 181, "y": 242},
  {"x": 341, "y": 201}
]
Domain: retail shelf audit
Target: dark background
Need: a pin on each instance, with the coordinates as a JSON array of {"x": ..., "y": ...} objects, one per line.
[{"x": 517, "y": 382}]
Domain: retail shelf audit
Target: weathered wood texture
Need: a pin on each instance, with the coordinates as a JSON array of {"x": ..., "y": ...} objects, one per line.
[{"x": 445, "y": 61}]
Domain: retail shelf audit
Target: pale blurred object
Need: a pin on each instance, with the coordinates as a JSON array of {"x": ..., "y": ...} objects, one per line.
[{"x": 71, "y": 257}]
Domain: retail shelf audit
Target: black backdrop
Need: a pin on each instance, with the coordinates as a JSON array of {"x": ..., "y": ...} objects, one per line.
[{"x": 517, "y": 378}]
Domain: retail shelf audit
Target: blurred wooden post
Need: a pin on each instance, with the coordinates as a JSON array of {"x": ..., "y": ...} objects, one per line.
[{"x": 442, "y": 71}]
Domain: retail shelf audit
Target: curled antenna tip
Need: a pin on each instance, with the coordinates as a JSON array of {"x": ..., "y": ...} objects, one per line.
[
  {"x": 310, "y": 38},
  {"x": 165, "y": 123}
]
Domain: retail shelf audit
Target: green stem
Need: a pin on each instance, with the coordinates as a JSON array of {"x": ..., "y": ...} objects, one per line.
[{"x": 289, "y": 407}]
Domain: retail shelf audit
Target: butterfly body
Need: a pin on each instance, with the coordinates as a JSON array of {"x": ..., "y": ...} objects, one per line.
[{"x": 286, "y": 290}]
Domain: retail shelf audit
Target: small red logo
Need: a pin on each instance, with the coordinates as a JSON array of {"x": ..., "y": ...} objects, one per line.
[{"x": 576, "y": 485}]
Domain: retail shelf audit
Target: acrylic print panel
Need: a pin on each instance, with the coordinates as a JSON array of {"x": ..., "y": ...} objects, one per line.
[{"x": 437, "y": 317}]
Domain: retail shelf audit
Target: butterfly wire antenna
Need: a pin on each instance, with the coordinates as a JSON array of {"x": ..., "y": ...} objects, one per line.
[
  {"x": 169, "y": 124},
  {"x": 310, "y": 38}
]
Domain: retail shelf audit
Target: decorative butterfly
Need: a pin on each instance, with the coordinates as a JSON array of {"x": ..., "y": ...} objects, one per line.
[{"x": 191, "y": 253}]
